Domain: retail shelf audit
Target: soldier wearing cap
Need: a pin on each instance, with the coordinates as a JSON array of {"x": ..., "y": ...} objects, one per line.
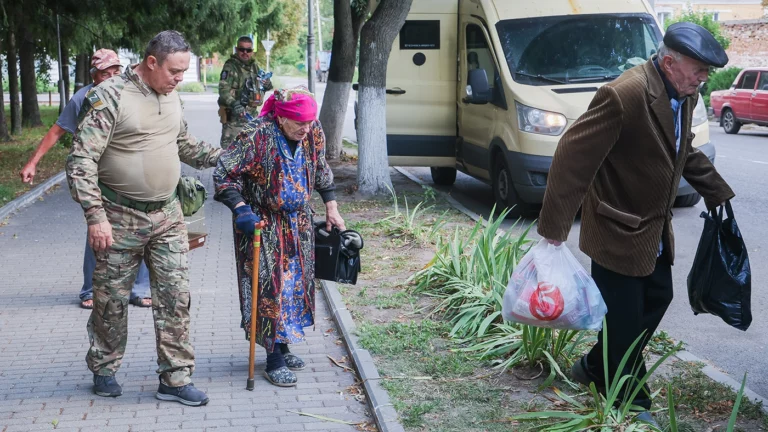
[
  {"x": 123, "y": 169},
  {"x": 621, "y": 162},
  {"x": 104, "y": 65},
  {"x": 241, "y": 90}
]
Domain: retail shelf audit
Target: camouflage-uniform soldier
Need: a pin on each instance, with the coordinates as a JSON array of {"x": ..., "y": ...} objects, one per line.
[
  {"x": 241, "y": 90},
  {"x": 123, "y": 169}
]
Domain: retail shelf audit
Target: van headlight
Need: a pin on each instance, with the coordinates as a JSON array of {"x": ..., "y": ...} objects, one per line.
[
  {"x": 534, "y": 120},
  {"x": 699, "y": 113}
]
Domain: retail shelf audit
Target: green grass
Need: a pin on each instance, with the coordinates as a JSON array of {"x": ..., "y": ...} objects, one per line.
[
  {"x": 15, "y": 153},
  {"x": 191, "y": 87},
  {"x": 396, "y": 300},
  {"x": 396, "y": 337},
  {"x": 698, "y": 393},
  {"x": 432, "y": 387}
]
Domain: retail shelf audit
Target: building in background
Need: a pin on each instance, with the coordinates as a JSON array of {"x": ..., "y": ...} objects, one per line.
[{"x": 721, "y": 10}]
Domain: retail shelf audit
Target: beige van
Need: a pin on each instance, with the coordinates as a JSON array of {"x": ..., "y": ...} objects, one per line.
[{"x": 487, "y": 87}]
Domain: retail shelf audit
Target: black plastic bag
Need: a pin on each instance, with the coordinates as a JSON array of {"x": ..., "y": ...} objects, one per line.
[
  {"x": 720, "y": 282},
  {"x": 337, "y": 254}
]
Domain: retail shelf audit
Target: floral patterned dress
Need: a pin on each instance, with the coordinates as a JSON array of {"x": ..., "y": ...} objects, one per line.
[{"x": 278, "y": 185}]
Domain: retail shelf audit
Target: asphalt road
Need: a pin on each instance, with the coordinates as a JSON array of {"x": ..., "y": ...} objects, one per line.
[{"x": 743, "y": 161}]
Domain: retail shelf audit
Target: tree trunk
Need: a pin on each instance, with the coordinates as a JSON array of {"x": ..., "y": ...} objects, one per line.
[
  {"x": 13, "y": 81},
  {"x": 347, "y": 25},
  {"x": 65, "y": 70},
  {"x": 30, "y": 110},
  {"x": 81, "y": 71},
  {"x": 88, "y": 79},
  {"x": 375, "y": 44},
  {"x": 3, "y": 125}
]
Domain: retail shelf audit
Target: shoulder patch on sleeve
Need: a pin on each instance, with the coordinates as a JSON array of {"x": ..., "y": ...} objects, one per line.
[
  {"x": 224, "y": 74},
  {"x": 95, "y": 101}
]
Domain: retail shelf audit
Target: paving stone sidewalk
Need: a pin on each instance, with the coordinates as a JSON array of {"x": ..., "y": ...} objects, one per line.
[{"x": 44, "y": 381}]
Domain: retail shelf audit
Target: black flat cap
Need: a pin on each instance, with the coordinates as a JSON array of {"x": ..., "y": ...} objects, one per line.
[{"x": 696, "y": 42}]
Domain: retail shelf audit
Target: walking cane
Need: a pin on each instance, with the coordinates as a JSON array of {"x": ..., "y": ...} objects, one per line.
[{"x": 254, "y": 302}]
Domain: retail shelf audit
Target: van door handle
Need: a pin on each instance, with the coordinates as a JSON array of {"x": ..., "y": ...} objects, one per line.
[{"x": 396, "y": 91}]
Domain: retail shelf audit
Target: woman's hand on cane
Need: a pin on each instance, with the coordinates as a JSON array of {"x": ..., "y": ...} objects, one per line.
[{"x": 245, "y": 219}]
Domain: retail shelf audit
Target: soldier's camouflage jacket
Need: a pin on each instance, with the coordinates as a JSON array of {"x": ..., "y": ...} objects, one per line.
[
  {"x": 97, "y": 122},
  {"x": 237, "y": 84}
]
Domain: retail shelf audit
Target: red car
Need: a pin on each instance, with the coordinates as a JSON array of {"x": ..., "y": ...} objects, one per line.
[{"x": 745, "y": 102}]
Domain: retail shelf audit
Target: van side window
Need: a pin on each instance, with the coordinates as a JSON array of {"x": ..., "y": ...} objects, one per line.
[
  {"x": 479, "y": 56},
  {"x": 748, "y": 81}
]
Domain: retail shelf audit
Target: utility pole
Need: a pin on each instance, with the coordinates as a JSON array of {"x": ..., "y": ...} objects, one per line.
[
  {"x": 267, "y": 44},
  {"x": 310, "y": 48},
  {"x": 62, "y": 102},
  {"x": 319, "y": 27}
]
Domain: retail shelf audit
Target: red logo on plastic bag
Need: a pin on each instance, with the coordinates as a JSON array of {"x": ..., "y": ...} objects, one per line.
[{"x": 546, "y": 302}]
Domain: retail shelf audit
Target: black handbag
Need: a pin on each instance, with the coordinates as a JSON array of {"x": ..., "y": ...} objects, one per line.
[
  {"x": 720, "y": 282},
  {"x": 337, "y": 254}
]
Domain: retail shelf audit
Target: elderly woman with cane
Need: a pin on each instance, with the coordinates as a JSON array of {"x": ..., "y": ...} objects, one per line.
[{"x": 267, "y": 175}]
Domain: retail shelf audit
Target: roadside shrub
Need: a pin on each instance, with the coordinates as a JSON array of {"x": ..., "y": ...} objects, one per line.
[
  {"x": 720, "y": 80},
  {"x": 192, "y": 87}
]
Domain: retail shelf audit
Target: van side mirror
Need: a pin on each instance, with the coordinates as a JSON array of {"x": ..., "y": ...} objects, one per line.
[{"x": 478, "y": 84}]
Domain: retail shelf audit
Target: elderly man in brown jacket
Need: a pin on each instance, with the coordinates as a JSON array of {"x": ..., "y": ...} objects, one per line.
[{"x": 621, "y": 161}]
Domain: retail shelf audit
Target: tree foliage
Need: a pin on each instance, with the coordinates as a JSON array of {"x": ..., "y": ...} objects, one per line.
[{"x": 208, "y": 25}]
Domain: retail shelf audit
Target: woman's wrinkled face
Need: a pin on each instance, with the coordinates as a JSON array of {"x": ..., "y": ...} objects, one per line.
[{"x": 294, "y": 130}]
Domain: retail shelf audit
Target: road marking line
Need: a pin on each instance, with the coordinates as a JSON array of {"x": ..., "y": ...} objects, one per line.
[{"x": 760, "y": 162}]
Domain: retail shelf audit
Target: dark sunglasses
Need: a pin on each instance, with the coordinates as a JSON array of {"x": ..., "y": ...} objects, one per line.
[{"x": 247, "y": 50}]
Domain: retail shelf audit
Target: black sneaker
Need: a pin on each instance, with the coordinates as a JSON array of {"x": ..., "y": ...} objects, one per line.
[
  {"x": 106, "y": 386},
  {"x": 646, "y": 417},
  {"x": 188, "y": 394},
  {"x": 580, "y": 373}
]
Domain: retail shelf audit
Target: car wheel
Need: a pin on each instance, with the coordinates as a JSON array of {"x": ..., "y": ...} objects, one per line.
[
  {"x": 689, "y": 200},
  {"x": 444, "y": 176},
  {"x": 504, "y": 191},
  {"x": 730, "y": 124}
]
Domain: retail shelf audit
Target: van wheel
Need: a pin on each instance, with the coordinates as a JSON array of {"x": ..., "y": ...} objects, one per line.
[
  {"x": 504, "y": 191},
  {"x": 444, "y": 176},
  {"x": 689, "y": 200},
  {"x": 730, "y": 124}
]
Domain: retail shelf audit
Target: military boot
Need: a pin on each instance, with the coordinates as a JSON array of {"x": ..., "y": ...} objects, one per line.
[{"x": 106, "y": 386}]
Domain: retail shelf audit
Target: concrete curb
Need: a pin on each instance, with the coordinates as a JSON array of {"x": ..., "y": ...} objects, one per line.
[
  {"x": 30, "y": 197},
  {"x": 383, "y": 412},
  {"x": 712, "y": 372}
]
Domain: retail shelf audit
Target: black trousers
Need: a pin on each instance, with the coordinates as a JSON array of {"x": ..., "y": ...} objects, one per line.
[{"x": 635, "y": 304}]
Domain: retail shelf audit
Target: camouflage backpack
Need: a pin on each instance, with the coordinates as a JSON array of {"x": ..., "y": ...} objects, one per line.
[{"x": 192, "y": 195}]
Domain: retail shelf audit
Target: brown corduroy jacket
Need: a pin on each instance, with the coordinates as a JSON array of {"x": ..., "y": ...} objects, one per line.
[{"x": 618, "y": 162}]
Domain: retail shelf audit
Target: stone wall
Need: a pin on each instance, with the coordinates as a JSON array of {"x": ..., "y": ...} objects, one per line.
[{"x": 749, "y": 42}]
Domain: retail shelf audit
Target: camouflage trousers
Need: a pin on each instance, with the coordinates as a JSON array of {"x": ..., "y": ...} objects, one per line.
[
  {"x": 229, "y": 132},
  {"x": 160, "y": 238}
]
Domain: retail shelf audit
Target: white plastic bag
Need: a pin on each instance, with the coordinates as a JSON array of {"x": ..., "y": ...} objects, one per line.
[{"x": 549, "y": 288}]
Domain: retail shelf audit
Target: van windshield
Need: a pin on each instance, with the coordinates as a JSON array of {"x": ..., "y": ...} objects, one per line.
[{"x": 576, "y": 48}]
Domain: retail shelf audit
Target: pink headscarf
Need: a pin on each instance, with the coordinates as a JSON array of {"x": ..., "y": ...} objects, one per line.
[{"x": 297, "y": 104}]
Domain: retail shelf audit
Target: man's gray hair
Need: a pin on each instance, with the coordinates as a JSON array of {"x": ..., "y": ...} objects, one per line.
[
  {"x": 164, "y": 44},
  {"x": 667, "y": 51}
]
